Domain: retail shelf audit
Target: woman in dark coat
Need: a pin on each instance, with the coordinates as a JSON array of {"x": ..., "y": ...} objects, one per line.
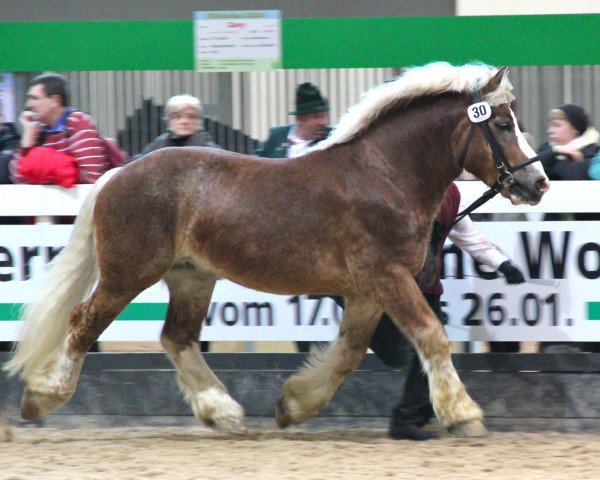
[
  {"x": 183, "y": 114},
  {"x": 572, "y": 143}
]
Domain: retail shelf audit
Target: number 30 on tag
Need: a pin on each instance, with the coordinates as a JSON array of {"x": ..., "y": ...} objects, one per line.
[{"x": 479, "y": 112}]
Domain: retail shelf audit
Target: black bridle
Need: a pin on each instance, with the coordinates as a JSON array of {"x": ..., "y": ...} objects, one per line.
[{"x": 505, "y": 169}]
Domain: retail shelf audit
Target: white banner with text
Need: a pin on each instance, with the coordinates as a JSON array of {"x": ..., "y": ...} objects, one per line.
[{"x": 560, "y": 300}]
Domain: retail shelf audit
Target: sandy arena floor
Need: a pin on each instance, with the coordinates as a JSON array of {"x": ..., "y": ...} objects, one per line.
[{"x": 267, "y": 454}]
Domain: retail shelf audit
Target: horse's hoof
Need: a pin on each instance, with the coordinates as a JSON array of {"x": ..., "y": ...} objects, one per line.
[
  {"x": 35, "y": 405},
  {"x": 229, "y": 425},
  {"x": 474, "y": 428},
  {"x": 30, "y": 409},
  {"x": 282, "y": 414}
]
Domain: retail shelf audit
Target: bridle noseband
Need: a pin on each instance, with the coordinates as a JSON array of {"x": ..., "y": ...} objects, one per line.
[{"x": 505, "y": 169}]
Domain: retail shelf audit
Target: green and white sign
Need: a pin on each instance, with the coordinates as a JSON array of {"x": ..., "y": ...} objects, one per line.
[{"x": 232, "y": 41}]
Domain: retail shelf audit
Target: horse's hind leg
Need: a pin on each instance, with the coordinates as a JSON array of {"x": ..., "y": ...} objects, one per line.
[
  {"x": 190, "y": 291},
  {"x": 311, "y": 389},
  {"x": 407, "y": 307},
  {"x": 54, "y": 382}
]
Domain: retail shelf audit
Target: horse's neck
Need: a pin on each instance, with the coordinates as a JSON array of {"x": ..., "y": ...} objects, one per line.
[{"x": 417, "y": 144}]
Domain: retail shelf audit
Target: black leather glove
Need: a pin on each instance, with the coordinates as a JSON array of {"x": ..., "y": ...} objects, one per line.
[{"x": 512, "y": 274}]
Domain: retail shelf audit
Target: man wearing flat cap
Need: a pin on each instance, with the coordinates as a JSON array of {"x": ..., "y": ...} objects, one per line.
[{"x": 311, "y": 126}]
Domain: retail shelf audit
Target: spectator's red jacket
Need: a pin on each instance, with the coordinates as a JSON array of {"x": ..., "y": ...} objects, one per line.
[{"x": 78, "y": 157}]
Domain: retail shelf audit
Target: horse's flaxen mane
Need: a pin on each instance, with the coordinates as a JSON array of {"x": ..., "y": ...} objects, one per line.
[{"x": 432, "y": 79}]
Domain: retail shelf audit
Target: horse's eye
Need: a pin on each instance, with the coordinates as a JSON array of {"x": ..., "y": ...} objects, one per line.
[{"x": 504, "y": 126}]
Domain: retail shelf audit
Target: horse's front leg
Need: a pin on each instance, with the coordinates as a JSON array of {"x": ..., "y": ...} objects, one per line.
[
  {"x": 311, "y": 389},
  {"x": 406, "y": 305}
]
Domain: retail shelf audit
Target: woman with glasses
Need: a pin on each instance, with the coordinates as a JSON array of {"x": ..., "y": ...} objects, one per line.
[{"x": 183, "y": 114}]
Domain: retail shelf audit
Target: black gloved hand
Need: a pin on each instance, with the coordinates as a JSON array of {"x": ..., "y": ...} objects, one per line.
[{"x": 512, "y": 274}]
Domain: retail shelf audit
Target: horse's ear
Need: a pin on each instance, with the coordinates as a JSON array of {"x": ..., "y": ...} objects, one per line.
[{"x": 494, "y": 82}]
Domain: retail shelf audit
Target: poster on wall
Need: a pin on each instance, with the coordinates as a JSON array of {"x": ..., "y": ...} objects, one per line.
[
  {"x": 234, "y": 41},
  {"x": 7, "y": 96}
]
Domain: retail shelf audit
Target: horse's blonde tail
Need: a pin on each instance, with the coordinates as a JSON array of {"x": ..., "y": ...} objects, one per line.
[{"x": 69, "y": 280}]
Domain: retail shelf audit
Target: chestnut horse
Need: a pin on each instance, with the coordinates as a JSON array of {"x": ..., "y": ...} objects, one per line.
[{"x": 352, "y": 218}]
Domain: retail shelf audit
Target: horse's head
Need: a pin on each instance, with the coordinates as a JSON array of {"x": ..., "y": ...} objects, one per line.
[{"x": 498, "y": 148}]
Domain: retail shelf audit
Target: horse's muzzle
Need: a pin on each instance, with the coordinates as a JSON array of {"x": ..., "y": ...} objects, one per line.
[{"x": 528, "y": 189}]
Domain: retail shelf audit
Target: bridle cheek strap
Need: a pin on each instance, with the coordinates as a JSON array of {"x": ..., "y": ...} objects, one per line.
[{"x": 502, "y": 165}]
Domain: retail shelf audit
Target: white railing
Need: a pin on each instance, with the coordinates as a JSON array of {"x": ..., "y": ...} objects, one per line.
[
  {"x": 47, "y": 200},
  {"x": 41, "y": 200},
  {"x": 563, "y": 197}
]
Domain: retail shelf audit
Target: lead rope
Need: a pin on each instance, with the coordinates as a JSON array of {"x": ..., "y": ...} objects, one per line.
[{"x": 488, "y": 195}]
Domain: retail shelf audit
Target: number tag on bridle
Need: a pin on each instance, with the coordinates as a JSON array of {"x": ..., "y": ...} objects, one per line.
[{"x": 479, "y": 112}]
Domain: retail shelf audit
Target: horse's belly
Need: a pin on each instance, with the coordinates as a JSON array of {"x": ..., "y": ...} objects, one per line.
[{"x": 270, "y": 268}]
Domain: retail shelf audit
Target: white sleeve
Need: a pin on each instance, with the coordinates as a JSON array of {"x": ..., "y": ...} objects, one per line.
[{"x": 468, "y": 238}]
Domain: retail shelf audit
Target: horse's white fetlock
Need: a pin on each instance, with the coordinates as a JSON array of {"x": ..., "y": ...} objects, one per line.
[{"x": 218, "y": 410}]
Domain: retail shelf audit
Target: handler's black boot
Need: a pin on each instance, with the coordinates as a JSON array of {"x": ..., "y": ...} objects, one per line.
[
  {"x": 407, "y": 424},
  {"x": 414, "y": 410},
  {"x": 406, "y": 431}
]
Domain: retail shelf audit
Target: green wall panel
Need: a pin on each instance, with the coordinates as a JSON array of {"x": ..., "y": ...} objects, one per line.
[
  {"x": 392, "y": 42},
  {"x": 139, "y": 45},
  {"x": 309, "y": 43}
]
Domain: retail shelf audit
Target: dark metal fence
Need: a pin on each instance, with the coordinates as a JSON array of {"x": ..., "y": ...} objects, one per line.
[
  {"x": 147, "y": 123},
  {"x": 523, "y": 392}
]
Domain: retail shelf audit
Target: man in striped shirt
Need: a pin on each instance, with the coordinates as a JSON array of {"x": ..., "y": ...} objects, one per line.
[{"x": 59, "y": 145}]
